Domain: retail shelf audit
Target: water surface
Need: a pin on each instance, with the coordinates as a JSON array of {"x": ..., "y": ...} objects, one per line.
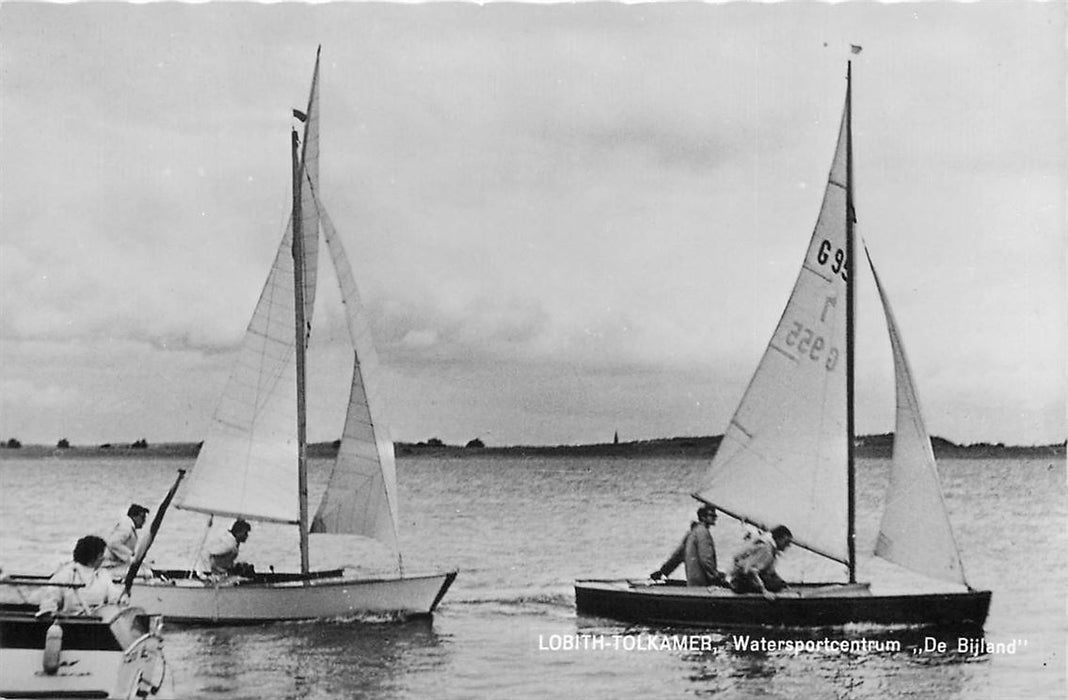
[{"x": 520, "y": 531}]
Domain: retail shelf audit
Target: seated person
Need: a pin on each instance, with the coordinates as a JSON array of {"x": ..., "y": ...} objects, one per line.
[
  {"x": 698, "y": 551},
  {"x": 122, "y": 541},
  {"x": 91, "y": 587},
  {"x": 220, "y": 552},
  {"x": 754, "y": 566}
]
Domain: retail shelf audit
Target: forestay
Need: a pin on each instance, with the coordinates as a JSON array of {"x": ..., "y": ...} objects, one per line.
[
  {"x": 915, "y": 531},
  {"x": 247, "y": 466},
  {"x": 783, "y": 458}
]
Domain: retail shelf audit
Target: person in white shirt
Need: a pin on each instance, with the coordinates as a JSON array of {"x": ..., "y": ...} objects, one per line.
[
  {"x": 85, "y": 586},
  {"x": 122, "y": 541},
  {"x": 221, "y": 550}
]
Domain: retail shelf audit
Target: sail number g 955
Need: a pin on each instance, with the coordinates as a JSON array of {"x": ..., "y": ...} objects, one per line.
[
  {"x": 837, "y": 260},
  {"x": 812, "y": 346}
]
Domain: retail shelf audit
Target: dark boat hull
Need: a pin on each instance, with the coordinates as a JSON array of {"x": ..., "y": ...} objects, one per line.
[{"x": 821, "y": 605}]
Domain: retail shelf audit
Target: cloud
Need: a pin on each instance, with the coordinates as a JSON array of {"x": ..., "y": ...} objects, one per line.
[
  {"x": 532, "y": 196},
  {"x": 21, "y": 394}
]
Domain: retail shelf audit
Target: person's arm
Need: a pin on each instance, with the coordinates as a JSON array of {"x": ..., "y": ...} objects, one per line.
[
  {"x": 52, "y": 596},
  {"x": 51, "y": 600},
  {"x": 672, "y": 562},
  {"x": 115, "y": 592},
  {"x": 754, "y": 564}
]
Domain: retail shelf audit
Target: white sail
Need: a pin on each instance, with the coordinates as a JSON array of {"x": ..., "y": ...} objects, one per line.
[
  {"x": 361, "y": 497},
  {"x": 310, "y": 183},
  {"x": 783, "y": 459},
  {"x": 915, "y": 531},
  {"x": 247, "y": 466}
]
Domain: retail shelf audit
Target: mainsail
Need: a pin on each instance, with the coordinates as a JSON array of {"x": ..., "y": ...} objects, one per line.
[
  {"x": 915, "y": 531},
  {"x": 783, "y": 458},
  {"x": 361, "y": 496},
  {"x": 247, "y": 466}
]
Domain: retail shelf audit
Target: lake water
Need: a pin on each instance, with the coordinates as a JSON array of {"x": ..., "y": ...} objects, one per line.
[{"x": 520, "y": 531}]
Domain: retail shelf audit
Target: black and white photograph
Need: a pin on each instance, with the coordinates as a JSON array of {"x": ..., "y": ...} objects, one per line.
[{"x": 476, "y": 350}]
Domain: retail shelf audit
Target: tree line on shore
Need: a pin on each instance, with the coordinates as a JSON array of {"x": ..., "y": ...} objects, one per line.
[{"x": 866, "y": 446}]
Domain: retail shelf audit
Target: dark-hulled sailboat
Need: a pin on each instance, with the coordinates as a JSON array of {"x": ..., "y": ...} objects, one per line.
[{"x": 787, "y": 458}]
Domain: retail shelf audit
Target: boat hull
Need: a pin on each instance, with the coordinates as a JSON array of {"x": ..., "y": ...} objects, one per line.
[
  {"x": 192, "y": 602},
  {"x": 820, "y": 605},
  {"x": 93, "y": 661}
]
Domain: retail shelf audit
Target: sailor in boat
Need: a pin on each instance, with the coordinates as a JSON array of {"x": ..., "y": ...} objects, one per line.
[
  {"x": 221, "y": 551},
  {"x": 754, "y": 566},
  {"x": 85, "y": 586},
  {"x": 122, "y": 541},
  {"x": 698, "y": 551}
]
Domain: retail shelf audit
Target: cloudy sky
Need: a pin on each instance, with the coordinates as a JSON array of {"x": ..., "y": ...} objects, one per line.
[{"x": 566, "y": 220}]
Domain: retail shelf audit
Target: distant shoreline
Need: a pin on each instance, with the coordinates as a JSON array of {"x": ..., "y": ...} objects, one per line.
[{"x": 868, "y": 446}]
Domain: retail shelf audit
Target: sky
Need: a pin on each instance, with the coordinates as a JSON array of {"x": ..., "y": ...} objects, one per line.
[{"x": 566, "y": 221}]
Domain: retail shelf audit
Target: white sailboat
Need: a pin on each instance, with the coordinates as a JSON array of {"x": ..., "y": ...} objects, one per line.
[
  {"x": 253, "y": 463},
  {"x": 787, "y": 458}
]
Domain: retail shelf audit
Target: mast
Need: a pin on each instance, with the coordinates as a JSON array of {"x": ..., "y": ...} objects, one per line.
[
  {"x": 300, "y": 324},
  {"x": 850, "y": 332}
]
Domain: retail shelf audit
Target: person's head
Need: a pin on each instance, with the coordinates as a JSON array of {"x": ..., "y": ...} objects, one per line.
[
  {"x": 138, "y": 514},
  {"x": 782, "y": 536},
  {"x": 89, "y": 551},
  {"x": 707, "y": 514},
  {"x": 240, "y": 530}
]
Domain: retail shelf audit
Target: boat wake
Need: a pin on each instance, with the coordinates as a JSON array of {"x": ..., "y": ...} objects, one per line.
[{"x": 526, "y": 602}]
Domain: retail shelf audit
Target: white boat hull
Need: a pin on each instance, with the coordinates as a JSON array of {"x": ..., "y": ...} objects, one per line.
[
  {"x": 194, "y": 602},
  {"x": 89, "y": 674}
]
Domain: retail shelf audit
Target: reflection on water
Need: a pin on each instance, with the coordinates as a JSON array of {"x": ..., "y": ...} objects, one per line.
[
  {"x": 305, "y": 660},
  {"x": 855, "y": 661}
]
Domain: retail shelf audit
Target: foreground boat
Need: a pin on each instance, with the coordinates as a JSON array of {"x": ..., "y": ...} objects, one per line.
[
  {"x": 787, "y": 458},
  {"x": 116, "y": 653},
  {"x": 253, "y": 463}
]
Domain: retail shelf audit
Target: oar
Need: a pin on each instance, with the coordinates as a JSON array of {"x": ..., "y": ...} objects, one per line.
[{"x": 152, "y": 530}]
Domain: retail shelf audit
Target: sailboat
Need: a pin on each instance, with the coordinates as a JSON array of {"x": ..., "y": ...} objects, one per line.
[
  {"x": 787, "y": 457},
  {"x": 253, "y": 463}
]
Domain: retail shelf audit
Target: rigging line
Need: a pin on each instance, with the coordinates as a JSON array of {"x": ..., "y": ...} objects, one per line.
[{"x": 200, "y": 547}]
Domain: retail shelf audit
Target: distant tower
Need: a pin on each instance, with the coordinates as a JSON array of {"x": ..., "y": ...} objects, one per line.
[{"x": 615, "y": 440}]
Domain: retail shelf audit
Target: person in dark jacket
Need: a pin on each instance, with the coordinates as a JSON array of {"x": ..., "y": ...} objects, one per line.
[{"x": 698, "y": 551}]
